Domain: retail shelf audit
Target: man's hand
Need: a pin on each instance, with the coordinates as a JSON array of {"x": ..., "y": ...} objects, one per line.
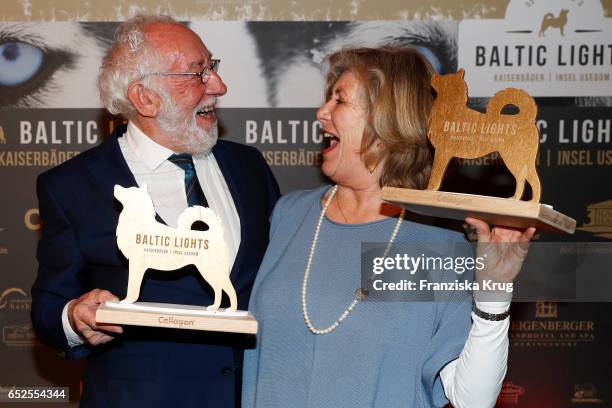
[
  {"x": 82, "y": 317},
  {"x": 504, "y": 250}
]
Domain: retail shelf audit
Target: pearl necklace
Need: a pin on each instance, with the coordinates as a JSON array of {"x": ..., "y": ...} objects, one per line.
[{"x": 360, "y": 293}]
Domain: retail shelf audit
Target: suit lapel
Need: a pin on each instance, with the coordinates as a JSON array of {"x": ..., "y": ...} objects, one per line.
[
  {"x": 232, "y": 176},
  {"x": 109, "y": 168}
]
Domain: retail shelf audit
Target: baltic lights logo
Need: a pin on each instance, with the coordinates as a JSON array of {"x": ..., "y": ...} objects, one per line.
[
  {"x": 600, "y": 219},
  {"x": 550, "y": 20},
  {"x": 546, "y": 47}
]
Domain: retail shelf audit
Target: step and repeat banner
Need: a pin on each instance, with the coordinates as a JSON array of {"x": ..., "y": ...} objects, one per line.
[{"x": 560, "y": 52}]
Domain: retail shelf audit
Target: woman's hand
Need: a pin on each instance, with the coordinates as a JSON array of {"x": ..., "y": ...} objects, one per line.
[{"x": 503, "y": 249}]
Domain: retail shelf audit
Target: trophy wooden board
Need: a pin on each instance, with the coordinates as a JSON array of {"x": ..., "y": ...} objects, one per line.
[
  {"x": 494, "y": 210},
  {"x": 172, "y": 316}
]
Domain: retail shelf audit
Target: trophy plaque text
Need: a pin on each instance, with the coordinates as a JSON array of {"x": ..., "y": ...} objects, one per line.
[
  {"x": 148, "y": 244},
  {"x": 457, "y": 131}
]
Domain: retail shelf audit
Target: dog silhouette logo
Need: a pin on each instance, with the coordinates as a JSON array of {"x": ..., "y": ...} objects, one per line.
[{"x": 549, "y": 20}]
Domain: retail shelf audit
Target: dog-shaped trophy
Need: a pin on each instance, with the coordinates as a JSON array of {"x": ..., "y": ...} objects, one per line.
[
  {"x": 454, "y": 130},
  {"x": 148, "y": 244},
  {"x": 496, "y": 132}
]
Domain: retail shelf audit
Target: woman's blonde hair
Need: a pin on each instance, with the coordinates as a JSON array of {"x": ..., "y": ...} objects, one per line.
[{"x": 398, "y": 96}]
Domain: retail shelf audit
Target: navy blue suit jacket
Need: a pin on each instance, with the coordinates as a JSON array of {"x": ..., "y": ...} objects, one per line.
[{"x": 78, "y": 253}]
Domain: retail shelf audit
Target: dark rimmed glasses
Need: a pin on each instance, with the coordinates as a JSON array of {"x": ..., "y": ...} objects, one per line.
[{"x": 204, "y": 75}]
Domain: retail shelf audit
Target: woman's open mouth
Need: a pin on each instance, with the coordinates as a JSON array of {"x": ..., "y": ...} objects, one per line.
[{"x": 331, "y": 141}]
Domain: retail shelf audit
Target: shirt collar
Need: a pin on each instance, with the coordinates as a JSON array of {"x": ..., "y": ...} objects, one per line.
[{"x": 149, "y": 153}]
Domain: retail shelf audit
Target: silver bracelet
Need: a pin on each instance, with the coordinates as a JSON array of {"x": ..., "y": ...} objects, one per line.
[{"x": 495, "y": 317}]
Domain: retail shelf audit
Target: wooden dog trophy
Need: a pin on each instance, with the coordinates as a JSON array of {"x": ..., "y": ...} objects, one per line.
[
  {"x": 147, "y": 243},
  {"x": 457, "y": 131}
]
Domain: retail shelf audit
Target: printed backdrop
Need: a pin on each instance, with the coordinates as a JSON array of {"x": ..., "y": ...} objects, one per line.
[{"x": 558, "y": 51}]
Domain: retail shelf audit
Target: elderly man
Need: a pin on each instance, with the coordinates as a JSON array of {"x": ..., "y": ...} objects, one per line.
[{"x": 163, "y": 79}]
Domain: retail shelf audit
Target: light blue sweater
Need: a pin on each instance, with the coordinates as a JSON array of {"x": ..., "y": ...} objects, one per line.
[{"x": 386, "y": 354}]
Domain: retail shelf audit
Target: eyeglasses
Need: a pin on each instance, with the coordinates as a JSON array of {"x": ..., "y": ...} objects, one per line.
[{"x": 204, "y": 75}]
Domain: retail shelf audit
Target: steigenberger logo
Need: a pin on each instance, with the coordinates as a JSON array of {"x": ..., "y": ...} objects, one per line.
[
  {"x": 546, "y": 310},
  {"x": 549, "y": 330},
  {"x": 600, "y": 219},
  {"x": 546, "y": 47}
]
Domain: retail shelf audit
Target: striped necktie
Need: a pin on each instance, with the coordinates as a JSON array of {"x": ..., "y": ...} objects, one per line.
[{"x": 195, "y": 195}]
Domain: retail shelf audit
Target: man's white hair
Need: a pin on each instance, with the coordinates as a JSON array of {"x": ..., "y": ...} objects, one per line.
[{"x": 130, "y": 58}]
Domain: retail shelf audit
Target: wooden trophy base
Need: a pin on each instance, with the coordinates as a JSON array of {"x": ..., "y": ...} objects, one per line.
[
  {"x": 176, "y": 317},
  {"x": 494, "y": 210}
]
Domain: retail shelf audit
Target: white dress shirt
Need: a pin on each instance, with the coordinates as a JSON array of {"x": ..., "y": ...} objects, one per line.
[
  {"x": 475, "y": 378},
  {"x": 148, "y": 162}
]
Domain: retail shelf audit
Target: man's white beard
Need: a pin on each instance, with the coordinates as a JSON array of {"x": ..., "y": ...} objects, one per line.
[{"x": 187, "y": 136}]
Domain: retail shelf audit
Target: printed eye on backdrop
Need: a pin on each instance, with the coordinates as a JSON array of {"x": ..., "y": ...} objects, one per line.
[
  {"x": 18, "y": 62},
  {"x": 51, "y": 65},
  {"x": 291, "y": 53},
  {"x": 26, "y": 70}
]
